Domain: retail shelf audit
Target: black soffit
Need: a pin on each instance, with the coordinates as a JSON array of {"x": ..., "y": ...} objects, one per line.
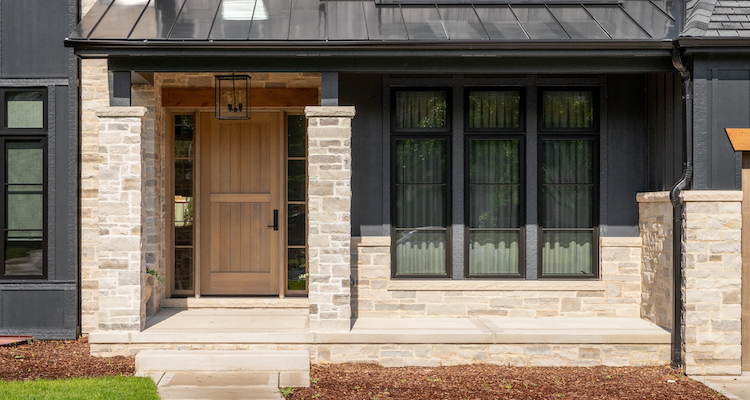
[{"x": 232, "y": 22}]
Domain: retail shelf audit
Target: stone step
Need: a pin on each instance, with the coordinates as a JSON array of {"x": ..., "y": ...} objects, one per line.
[
  {"x": 220, "y": 393},
  {"x": 222, "y": 360}
]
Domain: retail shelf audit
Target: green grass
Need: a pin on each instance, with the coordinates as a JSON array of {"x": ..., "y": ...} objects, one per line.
[{"x": 111, "y": 388}]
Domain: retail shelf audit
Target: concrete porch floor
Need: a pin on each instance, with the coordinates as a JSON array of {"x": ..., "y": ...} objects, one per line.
[{"x": 257, "y": 326}]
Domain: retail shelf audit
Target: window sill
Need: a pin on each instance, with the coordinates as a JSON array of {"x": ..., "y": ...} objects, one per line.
[{"x": 509, "y": 285}]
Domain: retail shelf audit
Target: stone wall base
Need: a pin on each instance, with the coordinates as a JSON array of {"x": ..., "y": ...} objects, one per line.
[{"x": 436, "y": 355}]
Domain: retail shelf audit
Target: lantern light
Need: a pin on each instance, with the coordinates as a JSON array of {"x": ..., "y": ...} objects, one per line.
[{"x": 232, "y": 96}]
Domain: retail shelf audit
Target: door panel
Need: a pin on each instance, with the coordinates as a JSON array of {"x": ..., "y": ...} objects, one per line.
[{"x": 240, "y": 162}]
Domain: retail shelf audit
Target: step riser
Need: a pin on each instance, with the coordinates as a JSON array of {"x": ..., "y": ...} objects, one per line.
[{"x": 219, "y": 360}]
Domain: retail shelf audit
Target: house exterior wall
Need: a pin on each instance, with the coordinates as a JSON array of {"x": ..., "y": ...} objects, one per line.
[
  {"x": 711, "y": 285},
  {"x": 656, "y": 263},
  {"x": 375, "y": 294}
]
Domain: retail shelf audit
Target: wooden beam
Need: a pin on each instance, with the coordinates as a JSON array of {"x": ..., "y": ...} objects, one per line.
[
  {"x": 745, "y": 293},
  {"x": 259, "y": 97}
]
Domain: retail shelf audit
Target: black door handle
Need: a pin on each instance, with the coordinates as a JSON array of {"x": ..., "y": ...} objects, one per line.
[{"x": 275, "y": 225}]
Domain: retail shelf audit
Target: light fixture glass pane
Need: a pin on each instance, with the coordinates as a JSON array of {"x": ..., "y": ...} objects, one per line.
[
  {"x": 24, "y": 254},
  {"x": 296, "y": 269},
  {"x": 568, "y": 109},
  {"x": 24, "y": 162},
  {"x": 494, "y": 109},
  {"x": 494, "y": 252},
  {"x": 24, "y": 109},
  {"x": 421, "y": 252},
  {"x": 568, "y": 253}
]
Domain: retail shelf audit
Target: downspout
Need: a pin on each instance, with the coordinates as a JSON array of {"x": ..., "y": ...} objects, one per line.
[{"x": 674, "y": 197}]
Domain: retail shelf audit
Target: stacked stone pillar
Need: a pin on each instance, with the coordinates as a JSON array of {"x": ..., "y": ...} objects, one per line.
[
  {"x": 121, "y": 249},
  {"x": 711, "y": 286},
  {"x": 329, "y": 158}
]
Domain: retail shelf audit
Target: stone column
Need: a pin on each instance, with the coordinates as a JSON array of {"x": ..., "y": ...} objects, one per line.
[
  {"x": 711, "y": 286},
  {"x": 329, "y": 162},
  {"x": 121, "y": 250}
]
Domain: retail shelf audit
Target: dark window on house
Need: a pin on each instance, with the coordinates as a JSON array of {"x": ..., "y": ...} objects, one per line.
[
  {"x": 568, "y": 183},
  {"x": 495, "y": 183},
  {"x": 23, "y": 169}
]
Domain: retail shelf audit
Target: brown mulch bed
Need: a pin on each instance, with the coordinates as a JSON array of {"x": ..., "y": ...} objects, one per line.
[
  {"x": 56, "y": 359},
  {"x": 474, "y": 382}
]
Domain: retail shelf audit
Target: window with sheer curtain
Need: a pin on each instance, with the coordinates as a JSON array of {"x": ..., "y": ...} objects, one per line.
[{"x": 494, "y": 160}]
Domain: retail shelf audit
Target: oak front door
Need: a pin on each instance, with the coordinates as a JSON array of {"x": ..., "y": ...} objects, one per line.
[{"x": 240, "y": 201}]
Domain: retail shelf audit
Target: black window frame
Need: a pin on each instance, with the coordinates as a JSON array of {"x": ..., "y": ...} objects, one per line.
[
  {"x": 448, "y": 209},
  {"x": 540, "y": 109},
  {"x": 4, "y": 111},
  {"x": 25, "y": 134},
  {"x": 521, "y": 109},
  {"x": 448, "y": 108},
  {"x": 3, "y": 206},
  {"x": 522, "y": 202}
]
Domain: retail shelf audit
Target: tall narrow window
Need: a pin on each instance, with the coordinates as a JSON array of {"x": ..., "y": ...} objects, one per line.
[
  {"x": 184, "y": 204},
  {"x": 24, "y": 216},
  {"x": 568, "y": 201},
  {"x": 421, "y": 206},
  {"x": 296, "y": 204},
  {"x": 494, "y": 206}
]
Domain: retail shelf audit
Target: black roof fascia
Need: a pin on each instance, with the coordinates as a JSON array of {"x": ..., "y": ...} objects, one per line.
[
  {"x": 549, "y": 64},
  {"x": 714, "y": 45}
]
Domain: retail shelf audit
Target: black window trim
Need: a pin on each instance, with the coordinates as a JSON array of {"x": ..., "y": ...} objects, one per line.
[
  {"x": 522, "y": 212},
  {"x": 521, "y": 110},
  {"x": 448, "y": 209},
  {"x": 4, "y": 111},
  {"x": 3, "y": 206},
  {"x": 540, "y": 109},
  {"x": 595, "y": 217},
  {"x": 448, "y": 108}
]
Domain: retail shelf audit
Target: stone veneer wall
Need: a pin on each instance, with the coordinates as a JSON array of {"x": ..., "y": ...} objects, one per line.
[
  {"x": 617, "y": 294},
  {"x": 121, "y": 245},
  {"x": 94, "y": 95},
  {"x": 434, "y": 355},
  {"x": 655, "y": 223},
  {"x": 154, "y": 197},
  {"x": 712, "y": 279},
  {"x": 329, "y": 166}
]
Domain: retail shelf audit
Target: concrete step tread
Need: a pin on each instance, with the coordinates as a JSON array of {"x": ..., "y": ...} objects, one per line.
[
  {"x": 149, "y": 361},
  {"x": 220, "y": 393},
  {"x": 220, "y": 379}
]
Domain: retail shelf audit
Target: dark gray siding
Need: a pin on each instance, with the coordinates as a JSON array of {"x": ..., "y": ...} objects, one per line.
[
  {"x": 32, "y": 38},
  {"x": 365, "y": 92},
  {"x": 626, "y": 153},
  {"x": 722, "y": 100},
  {"x": 665, "y": 131}
]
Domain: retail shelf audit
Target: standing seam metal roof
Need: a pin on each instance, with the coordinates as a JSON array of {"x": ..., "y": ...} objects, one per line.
[{"x": 166, "y": 22}]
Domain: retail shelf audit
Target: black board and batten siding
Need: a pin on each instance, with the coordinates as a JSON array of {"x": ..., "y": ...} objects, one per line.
[{"x": 33, "y": 56}]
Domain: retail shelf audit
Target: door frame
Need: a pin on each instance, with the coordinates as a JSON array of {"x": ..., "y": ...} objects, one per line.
[{"x": 170, "y": 113}]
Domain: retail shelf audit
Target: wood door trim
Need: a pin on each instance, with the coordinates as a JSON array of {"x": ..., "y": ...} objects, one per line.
[
  {"x": 238, "y": 198},
  {"x": 745, "y": 274}
]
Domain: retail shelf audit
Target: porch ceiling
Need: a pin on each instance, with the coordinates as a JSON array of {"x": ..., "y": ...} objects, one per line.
[{"x": 304, "y": 23}]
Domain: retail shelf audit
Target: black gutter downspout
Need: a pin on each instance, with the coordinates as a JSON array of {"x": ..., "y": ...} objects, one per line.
[{"x": 674, "y": 197}]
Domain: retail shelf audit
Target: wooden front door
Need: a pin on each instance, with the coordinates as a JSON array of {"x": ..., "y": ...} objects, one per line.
[{"x": 240, "y": 196}]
